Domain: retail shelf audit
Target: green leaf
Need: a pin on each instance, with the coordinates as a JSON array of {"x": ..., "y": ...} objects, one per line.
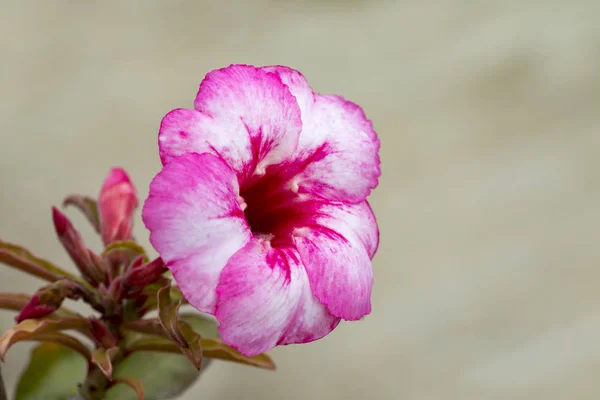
[
  {"x": 210, "y": 345},
  {"x": 179, "y": 331},
  {"x": 151, "y": 291},
  {"x": 53, "y": 373},
  {"x": 163, "y": 376},
  {"x": 168, "y": 314}
]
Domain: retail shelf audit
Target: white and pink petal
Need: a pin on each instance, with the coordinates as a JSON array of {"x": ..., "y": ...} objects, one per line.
[
  {"x": 298, "y": 86},
  {"x": 190, "y": 131},
  {"x": 196, "y": 223},
  {"x": 336, "y": 243},
  {"x": 263, "y": 104},
  {"x": 337, "y": 157},
  {"x": 265, "y": 300}
]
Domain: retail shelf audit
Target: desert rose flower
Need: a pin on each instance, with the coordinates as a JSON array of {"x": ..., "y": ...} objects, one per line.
[{"x": 260, "y": 209}]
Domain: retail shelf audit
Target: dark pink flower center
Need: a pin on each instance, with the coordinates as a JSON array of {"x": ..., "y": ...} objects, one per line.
[{"x": 272, "y": 207}]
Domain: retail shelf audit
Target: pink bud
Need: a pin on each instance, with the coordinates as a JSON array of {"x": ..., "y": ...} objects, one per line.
[
  {"x": 116, "y": 205},
  {"x": 73, "y": 243},
  {"x": 49, "y": 298},
  {"x": 34, "y": 309},
  {"x": 141, "y": 276}
]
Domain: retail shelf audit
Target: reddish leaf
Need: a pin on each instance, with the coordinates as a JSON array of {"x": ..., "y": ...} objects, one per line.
[
  {"x": 76, "y": 248},
  {"x": 32, "y": 327},
  {"x": 20, "y": 258}
]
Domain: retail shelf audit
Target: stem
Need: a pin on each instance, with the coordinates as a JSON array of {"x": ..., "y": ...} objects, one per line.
[
  {"x": 93, "y": 387},
  {"x": 96, "y": 383},
  {"x": 2, "y": 388}
]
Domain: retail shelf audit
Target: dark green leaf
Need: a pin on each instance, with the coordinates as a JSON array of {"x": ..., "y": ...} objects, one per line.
[
  {"x": 53, "y": 373},
  {"x": 162, "y": 375}
]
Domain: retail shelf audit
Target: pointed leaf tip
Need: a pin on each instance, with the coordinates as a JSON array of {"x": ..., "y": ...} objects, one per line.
[
  {"x": 179, "y": 331},
  {"x": 103, "y": 359}
]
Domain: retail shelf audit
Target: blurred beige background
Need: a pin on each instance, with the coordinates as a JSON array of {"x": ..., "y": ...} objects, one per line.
[{"x": 489, "y": 114}]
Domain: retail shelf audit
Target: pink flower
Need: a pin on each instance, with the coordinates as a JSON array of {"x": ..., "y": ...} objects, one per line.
[
  {"x": 116, "y": 204},
  {"x": 260, "y": 209}
]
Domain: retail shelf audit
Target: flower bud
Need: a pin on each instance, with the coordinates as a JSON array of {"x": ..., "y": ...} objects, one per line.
[
  {"x": 72, "y": 242},
  {"x": 34, "y": 309},
  {"x": 49, "y": 298},
  {"x": 138, "y": 277},
  {"x": 116, "y": 205}
]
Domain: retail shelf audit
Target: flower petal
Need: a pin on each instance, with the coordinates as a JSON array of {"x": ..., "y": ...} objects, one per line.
[
  {"x": 262, "y": 102},
  {"x": 335, "y": 246},
  {"x": 196, "y": 223},
  {"x": 265, "y": 300},
  {"x": 298, "y": 85},
  {"x": 190, "y": 131},
  {"x": 338, "y": 152}
]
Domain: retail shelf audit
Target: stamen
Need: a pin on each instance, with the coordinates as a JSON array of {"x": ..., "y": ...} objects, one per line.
[{"x": 242, "y": 203}]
